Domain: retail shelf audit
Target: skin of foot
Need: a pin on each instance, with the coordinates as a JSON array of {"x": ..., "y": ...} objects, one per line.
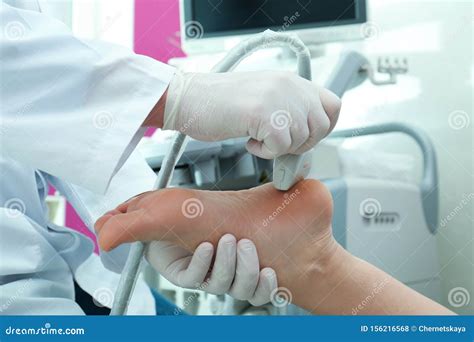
[
  {"x": 293, "y": 235},
  {"x": 291, "y": 230}
]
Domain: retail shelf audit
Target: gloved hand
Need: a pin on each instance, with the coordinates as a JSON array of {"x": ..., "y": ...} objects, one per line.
[
  {"x": 281, "y": 112},
  {"x": 235, "y": 270}
]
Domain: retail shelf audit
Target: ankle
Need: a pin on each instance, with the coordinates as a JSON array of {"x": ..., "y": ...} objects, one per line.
[
  {"x": 325, "y": 270},
  {"x": 326, "y": 252}
]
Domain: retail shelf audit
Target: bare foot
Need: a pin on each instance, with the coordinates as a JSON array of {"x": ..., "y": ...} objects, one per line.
[{"x": 292, "y": 230}]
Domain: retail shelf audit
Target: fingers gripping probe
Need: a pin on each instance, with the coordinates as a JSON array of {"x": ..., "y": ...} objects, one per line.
[{"x": 288, "y": 169}]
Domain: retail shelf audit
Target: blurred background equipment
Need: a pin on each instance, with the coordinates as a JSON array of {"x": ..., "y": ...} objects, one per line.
[
  {"x": 435, "y": 95},
  {"x": 208, "y": 27}
]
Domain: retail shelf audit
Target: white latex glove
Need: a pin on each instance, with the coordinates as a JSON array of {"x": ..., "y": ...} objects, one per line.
[
  {"x": 281, "y": 112},
  {"x": 236, "y": 269}
]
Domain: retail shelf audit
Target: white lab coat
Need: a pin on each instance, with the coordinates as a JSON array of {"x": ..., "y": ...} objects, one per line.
[{"x": 70, "y": 114}]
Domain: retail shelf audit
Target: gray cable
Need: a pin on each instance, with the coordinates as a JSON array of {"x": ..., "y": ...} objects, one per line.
[
  {"x": 131, "y": 269},
  {"x": 268, "y": 38},
  {"x": 287, "y": 169},
  {"x": 429, "y": 183}
]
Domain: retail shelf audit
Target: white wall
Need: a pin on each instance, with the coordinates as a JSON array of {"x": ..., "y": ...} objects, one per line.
[
  {"x": 108, "y": 20},
  {"x": 436, "y": 95}
]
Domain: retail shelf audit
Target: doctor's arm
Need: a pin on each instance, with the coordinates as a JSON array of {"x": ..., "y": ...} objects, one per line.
[
  {"x": 68, "y": 103},
  {"x": 76, "y": 110}
]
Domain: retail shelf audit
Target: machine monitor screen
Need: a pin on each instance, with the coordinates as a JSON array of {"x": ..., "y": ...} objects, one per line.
[{"x": 236, "y": 17}]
